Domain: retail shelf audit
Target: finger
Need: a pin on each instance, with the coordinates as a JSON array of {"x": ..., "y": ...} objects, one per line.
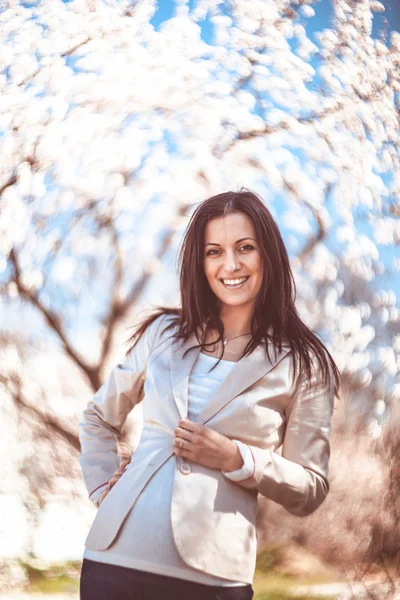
[
  {"x": 184, "y": 434},
  {"x": 186, "y": 450},
  {"x": 185, "y": 442},
  {"x": 185, "y": 454},
  {"x": 189, "y": 425}
]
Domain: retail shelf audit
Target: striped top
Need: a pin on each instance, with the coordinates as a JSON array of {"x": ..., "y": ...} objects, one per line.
[{"x": 203, "y": 384}]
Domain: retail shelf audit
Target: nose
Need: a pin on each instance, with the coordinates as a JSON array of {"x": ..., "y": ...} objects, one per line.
[{"x": 231, "y": 262}]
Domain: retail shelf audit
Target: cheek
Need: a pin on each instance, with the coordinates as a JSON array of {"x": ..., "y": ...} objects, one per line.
[
  {"x": 256, "y": 267},
  {"x": 258, "y": 279},
  {"x": 209, "y": 271}
]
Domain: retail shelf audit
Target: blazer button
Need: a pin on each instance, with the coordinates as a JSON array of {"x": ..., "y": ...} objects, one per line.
[{"x": 185, "y": 468}]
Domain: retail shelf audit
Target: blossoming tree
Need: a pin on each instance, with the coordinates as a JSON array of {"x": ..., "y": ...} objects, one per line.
[{"x": 111, "y": 129}]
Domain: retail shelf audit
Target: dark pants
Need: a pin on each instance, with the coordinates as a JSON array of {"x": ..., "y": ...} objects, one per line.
[{"x": 103, "y": 581}]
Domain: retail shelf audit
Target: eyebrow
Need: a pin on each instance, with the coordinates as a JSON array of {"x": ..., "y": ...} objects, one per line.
[{"x": 237, "y": 241}]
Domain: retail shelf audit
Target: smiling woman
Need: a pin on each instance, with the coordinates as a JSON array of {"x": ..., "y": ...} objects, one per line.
[
  {"x": 233, "y": 265},
  {"x": 239, "y": 376}
]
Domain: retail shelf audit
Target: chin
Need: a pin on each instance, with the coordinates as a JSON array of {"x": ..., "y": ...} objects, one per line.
[{"x": 235, "y": 302}]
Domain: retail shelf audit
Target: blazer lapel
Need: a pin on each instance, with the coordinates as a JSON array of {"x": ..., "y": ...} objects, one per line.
[
  {"x": 181, "y": 368},
  {"x": 243, "y": 374}
]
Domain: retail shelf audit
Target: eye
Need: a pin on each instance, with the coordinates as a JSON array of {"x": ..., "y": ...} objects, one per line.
[{"x": 248, "y": 246}]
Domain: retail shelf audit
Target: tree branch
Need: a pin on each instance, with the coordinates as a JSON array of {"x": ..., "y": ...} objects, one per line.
[
  {"x": 321, "y": 229},
  {"x": 11, "y": 180},
  {"x": 54, "y": 323},
  {"x": 12, "y": 384}
]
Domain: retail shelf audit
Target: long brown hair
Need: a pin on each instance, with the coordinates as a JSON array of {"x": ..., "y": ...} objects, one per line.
[{"x": 275, "y": 318}]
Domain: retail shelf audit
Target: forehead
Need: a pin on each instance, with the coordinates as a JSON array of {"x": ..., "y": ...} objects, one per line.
[{"x": 230, "y": 228}]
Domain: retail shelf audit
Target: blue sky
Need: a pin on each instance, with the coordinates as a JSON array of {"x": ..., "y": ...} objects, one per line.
[{"x": 322, "y": 19}]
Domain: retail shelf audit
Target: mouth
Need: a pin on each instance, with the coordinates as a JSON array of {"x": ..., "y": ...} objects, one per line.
[{"x": 240, "y": 282}]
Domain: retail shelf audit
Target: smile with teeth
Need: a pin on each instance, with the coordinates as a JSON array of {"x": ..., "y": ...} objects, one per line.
[{"x": 234, "y": 283}]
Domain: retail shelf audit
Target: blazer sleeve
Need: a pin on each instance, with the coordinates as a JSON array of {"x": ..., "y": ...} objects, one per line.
[
  {"x": 298, "y": 478},
  {"x": 105, "y": 414}
]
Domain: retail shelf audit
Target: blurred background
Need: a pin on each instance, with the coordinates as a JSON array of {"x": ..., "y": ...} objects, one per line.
[{"x": 116, "y": 118}]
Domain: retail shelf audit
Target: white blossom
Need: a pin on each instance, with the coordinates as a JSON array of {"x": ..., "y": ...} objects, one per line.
[{"x": 110, "y": 127}]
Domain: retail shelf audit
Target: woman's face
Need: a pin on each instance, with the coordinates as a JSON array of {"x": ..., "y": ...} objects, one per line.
[{"x": 232, "y": 252}]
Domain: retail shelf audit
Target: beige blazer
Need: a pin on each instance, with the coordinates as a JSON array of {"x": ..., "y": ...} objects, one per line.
[{"x": 213, "y": 518}]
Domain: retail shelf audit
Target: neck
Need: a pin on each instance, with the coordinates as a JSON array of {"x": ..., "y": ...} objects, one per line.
[{"x": 236, "y": 320}]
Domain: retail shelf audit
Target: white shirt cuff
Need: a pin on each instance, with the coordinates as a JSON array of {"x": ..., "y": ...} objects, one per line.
[{"x": 247, "y": 470}]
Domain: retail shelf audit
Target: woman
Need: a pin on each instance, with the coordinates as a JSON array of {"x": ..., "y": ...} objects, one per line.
[{"x": 227, "y": 381}]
